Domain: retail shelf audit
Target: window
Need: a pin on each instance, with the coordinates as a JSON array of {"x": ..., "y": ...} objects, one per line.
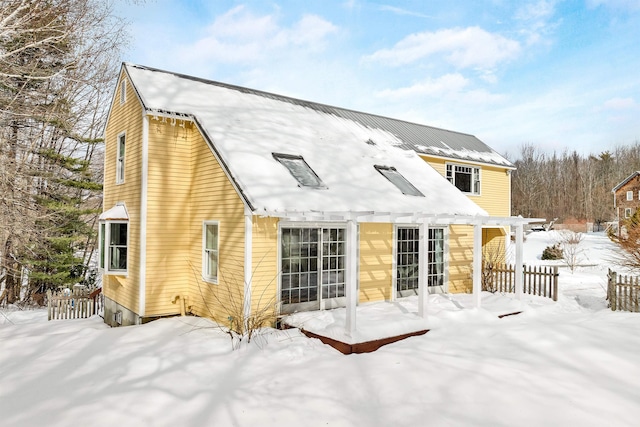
[
  {"x": 398, "y": 180},
  {"x": 210, "y": 251},
  {"x": 627, "y": 213},
  {"x": 120, "y": 159},
  {"x": 313, "y": 262},
  {"x": 123, "y": 91},
  {"x": 629, "y": 195},
  {"x": 465, "y": 178},
  {"x": 113, "y": 241},
  {"x": 408, "y": 259},
  {"x": 300, "y": 170}
]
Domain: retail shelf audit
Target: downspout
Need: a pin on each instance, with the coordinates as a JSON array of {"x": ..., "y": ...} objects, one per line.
[
  {"x": 248, "y": 263},
  {"x": 143, "y": 214}
]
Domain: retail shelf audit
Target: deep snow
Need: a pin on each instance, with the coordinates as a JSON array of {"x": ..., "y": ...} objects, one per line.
[{"x": 573, "y": 362}]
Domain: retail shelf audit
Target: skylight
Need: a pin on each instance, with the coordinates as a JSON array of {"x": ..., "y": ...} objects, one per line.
[
  {"x": 300, "y": 170},
  {"x": 398, "y": 180}
]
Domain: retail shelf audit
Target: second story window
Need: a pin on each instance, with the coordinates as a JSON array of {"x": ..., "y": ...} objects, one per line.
[
  {"x": 120, "y": 158},
  {"x": 629, "y": 195},
  {"x": 465, "y": 178}
]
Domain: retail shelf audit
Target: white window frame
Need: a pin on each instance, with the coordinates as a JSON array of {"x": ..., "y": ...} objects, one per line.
[
  {"x": 205, "y": 252},
  {"x": 627, "y": 212},
  {"x": 629, "y": 195},
  {"x": 476, "y": 177},
  {"x": 104, "y": 248},
  {"x": 123, "y": 91},
  {"x": 424, "y": 257},
  {"x": 121, "y": 157}
]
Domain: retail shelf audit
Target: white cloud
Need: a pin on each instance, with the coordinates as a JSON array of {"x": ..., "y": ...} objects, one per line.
[
  {"x": 470, "y": 47},
  {"x": 536, "y": 16},
  {"x": 619, "y": 104},
  {"x": 239, "y": 36},
  {"x": 400, "y": 11},
  {"x": 449, "y": 87}
]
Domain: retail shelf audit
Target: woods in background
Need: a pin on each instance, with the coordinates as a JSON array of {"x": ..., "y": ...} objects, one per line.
[
  {"x": 568, "y": 185},
  {"x": 58, "y": 62}
]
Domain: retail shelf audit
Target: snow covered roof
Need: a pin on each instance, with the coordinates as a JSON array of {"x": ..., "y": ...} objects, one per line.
[
  {"x": 246, "y": 128},
  {"x": 118, "y": 212}
]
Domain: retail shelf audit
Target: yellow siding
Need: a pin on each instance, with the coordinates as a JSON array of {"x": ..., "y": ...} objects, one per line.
[
  {"x": 214, "y": 198},
  {"x": 125, "y": 118},
  {"x": 494, "y": 185},
  {"x": 376, "y": 262},
  {"x": 496, "y": 200},
  {"x": 264, "y": 277},
  {"x": 168, "y": 213}
]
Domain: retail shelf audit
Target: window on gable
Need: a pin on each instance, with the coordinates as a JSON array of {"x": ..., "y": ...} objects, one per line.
[
  {"x": 465, "y": 178},
  {"x": 120, "y": 159},
  {"x": 300, "y": 170},
  {"x": 629, "y": 195},
  {"x": 210, "y": 251},
  {"x": 113, "y": 242},
  {"x": 123, "y": 91},
  {"x": 398, "y": 180}
]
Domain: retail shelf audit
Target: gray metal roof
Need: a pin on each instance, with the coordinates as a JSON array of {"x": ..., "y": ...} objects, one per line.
[{"x": 423, "y": 139}]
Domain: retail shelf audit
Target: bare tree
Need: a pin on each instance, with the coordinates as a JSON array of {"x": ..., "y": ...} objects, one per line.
[{"x": 58, "y": 61}]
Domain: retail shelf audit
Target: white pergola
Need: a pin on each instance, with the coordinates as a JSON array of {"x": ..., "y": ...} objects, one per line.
[{"x": 424, "y": 221}]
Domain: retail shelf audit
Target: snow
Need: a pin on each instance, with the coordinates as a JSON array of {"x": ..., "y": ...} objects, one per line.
[
  {"x": 247, "y": 129},
  {"x": 571, "y": 362}
]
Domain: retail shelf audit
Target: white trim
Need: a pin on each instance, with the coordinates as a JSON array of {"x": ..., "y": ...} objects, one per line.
[
  {"x": 351, "y": 279},
  {"x": 473, "y": 183},
  {"x": 203, "y": 248},
  {"x": 477, "y": 265},
  {"x": 144, "y": 182},
  {"x": 629, "y": 195},
  {"x": 107, "y": 271},
  {"x": 120, "y": 171},
  {"x": 248, "y": 261},
  {"x": 471, "y": 162},
  {"x": 519, "y": 260},
  {"x": 423, "y": 290}
]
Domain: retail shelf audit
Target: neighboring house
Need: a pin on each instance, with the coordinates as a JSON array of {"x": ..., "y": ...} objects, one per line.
[
  {"x": 626, "y": 198},
  {"x": 215, "y": 193}
]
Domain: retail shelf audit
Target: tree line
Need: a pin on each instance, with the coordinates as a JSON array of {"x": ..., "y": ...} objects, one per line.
[
  {"x": 568, "y": 185},
  {"x": 58, "y": 63}
]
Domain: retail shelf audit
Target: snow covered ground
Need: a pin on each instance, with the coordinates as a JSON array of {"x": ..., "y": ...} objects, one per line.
[{"x": 573, "y": 362}]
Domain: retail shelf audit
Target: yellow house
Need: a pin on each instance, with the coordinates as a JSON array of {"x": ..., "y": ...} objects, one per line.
[{"x": 222, "y": 201}]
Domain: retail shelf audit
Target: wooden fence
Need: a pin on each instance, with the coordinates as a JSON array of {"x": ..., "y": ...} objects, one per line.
[
  {"x": 537, "y": 280},
  {"x": 75, "y": 303},
  {"x": 623, "y": 292}
]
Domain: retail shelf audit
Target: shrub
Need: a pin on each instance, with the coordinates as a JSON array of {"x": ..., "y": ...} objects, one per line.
[{"x": 553, "y": 252}]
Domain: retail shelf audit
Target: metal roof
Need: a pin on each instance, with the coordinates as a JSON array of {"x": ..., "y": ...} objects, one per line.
[{"x": 422, "y": 139}]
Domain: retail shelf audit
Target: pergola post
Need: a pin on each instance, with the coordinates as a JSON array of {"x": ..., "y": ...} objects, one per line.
[
  {"x": 351, "y": 280},
  {"x": 519, "y": 259},
  {"x": 477, "y": 264},
  {"x": 423, "y": 290}
]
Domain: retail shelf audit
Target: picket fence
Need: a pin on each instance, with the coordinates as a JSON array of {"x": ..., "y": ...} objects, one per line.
[
  {"x": 623, "y": 292},
  {"x": 77, "y": 303},
  {"x": 537, "y": 280}
]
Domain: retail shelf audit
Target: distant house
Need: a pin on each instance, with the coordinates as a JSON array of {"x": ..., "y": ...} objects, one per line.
[
  {"x": 626, "y": 198},
  {"x": 213, "y": 191}
]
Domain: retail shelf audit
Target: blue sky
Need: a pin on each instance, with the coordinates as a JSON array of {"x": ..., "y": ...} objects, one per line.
[{"x": 553, "y": 73}]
